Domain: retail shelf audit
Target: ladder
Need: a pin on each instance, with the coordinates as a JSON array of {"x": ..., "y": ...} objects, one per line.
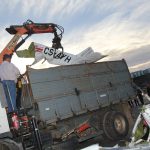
[{"x": 30, "y": 135}]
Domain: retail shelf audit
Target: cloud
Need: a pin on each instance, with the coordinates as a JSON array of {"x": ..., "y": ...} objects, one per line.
[
  {"x": 47, "y": 9},
  {"x": 138, "y": 58},
  {"x": 63, "y": 9},
  {"x": 21, "y": 62},
  {"x": 4, "y": 38},
  {"x": 34, "y": 8},
  {"x": 120, "y": 35},
  {"x": 141, "y": 11},
  {"x": 7, "y": 5},
  {"x": 137, "y": 67},
  {"x": 110, "y": 35},
  {"x": 117, "y": 28}
]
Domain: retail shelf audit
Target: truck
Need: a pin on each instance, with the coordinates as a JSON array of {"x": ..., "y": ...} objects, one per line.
[
  {"x": 81, "y": 101},
  {"x": 65, "y": 107},
  {"x": 77, "y": 103}
]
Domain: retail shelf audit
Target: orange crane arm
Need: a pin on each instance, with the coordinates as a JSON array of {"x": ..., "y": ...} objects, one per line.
[{"x": 29, "y": 28}]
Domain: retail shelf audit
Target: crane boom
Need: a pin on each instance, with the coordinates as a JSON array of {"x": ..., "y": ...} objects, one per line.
[{"x": 29, "y": 28}]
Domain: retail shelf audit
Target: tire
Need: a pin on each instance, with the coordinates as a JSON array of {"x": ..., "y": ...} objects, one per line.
[
  {"x": 4, "y": 147},
  {"x": 70, "y": 144},
  {"x": 8, "y": 144},
  {"x": 115, "y": 125}
]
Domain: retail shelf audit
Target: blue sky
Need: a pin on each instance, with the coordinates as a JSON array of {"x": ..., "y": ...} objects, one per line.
[{"x": 118, "y": 28}]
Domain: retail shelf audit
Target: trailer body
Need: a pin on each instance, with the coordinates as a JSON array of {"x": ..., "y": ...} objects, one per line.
[
  {"x": 67, "y": 96},
  {"x": 64, "y": 91},
  {"x": 85, "y": 101}
]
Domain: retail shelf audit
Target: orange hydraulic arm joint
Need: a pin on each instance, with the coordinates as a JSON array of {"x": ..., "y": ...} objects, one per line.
[{"x": 29, "y": 28}]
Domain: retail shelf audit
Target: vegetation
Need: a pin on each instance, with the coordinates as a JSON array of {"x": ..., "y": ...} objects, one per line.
[{"x": 27, "y": 53}]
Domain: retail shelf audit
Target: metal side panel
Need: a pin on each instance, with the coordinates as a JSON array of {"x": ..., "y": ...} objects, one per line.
[
  {"x": 113, "y": 96},
  {"x": 64, "y": 91},
  {"x": 130, "y": 91},
  {"x": 101, "y": 81},
  {"x": 123, "y": 91},
  {"x": 81, "y": 83},
  {"x": 47, "y": 111},
  {"x": 98, "y": 68},
  {"x": 60, "y": 108},
  {"x": 26, "y": 96},
  {"x": 44, "y": 75},
  {"x": 56, "y": 73},
  {"x": 121, "y": 76},
  {"x": 76, "y": 104},
  {"x": 60, "y": 88},
  {"x": 46, "y": 90},
  {"x": 74, "y": 71},
  {"x": 89, "y": 100},
  {"x": 55, "y": 82},
  {"x": 117, "y": 66},
  {"x": 107, "y": 67},
  {"x": 103, "y": 98}
]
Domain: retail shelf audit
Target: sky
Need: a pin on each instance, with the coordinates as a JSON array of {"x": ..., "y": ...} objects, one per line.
[{"x": 117, "y": 28}]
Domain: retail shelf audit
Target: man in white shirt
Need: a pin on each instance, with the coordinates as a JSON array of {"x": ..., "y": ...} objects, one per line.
[{"x": 8, "y": 75}]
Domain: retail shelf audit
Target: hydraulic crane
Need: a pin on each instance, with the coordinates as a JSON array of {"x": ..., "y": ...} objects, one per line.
[{"x": 28, "y": 28}]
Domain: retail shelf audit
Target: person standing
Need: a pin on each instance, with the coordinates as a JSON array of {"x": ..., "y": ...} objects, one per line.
[{"x": 8, "y": 75}]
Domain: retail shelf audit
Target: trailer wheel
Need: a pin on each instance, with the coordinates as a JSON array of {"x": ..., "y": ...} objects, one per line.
[
  {"x": 115, "y": 125},
  {"x": 8, "y": 144},
  {"x": 3, "y": 147}
]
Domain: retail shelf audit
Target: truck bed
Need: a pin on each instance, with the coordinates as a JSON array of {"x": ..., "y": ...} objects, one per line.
[{"x": 64, "y": 91}]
